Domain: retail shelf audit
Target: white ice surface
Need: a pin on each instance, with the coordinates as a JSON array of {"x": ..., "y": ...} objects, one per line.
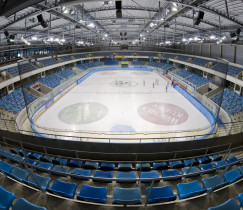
[{"x": 122, "y": 103}]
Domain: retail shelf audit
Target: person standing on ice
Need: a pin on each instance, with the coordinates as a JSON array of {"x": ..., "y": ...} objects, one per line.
[{"x": 166, "y": 87}]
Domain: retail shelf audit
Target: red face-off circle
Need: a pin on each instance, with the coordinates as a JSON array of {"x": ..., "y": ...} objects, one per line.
[{"x": 163, "y": 113}]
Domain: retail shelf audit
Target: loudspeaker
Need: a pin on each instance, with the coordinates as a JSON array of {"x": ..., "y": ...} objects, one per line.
[
  {"x": 238, "y": 31},
  {"x": 118, "y": 14},
  {"x": 40, "y": 18},
  {"x": 200, "y": 15},
  {"x": 196, "y": 22},
  {"x": 118, "y": 9},
  {"x": 42, "y": 21},
  {"x": 118, "y": 5},
  {"x": 11, "y": 37},
  {"x": 6, "y": 33},
  {"x": 199, "y": 18}
]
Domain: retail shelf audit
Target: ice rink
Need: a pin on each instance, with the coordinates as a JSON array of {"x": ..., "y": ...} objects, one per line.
[{"x": 123, "y": 101}]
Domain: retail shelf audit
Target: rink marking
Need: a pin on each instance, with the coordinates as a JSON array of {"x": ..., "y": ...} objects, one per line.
[{"x": 53, "y": 103}]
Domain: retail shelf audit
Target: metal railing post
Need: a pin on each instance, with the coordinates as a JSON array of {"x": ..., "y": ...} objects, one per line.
[{"x": 150, "y": 191}]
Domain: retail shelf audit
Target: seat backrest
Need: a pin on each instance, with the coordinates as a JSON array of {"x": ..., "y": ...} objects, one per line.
[
  {"x": 24, "y": 204},
  {"x": 6, "y": 198}
]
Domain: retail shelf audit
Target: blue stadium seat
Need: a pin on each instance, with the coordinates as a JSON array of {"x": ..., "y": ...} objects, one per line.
[
  {"x": 176, "y": 164},
  {"x": 65, "y": 189},
  {"x": 232, "y": 160},
  {"x": 232, "y": 176},
  {"x": 75, "y": 163},
  {"x": 220, "y": 163},
  {"x": 35, "y": 156},
  {"x": 19, "y": 174},
  {"x": 21, "y": 204},
  {"x": 240, "y": 168},
  {"x": 31, "y": 162},
  {"x": 45, "y": 166},
  {"x": 145, "y": 167},
  {"x": 126, "y": 175},
  {"x": 126, "y": 196},
  {"x": 60, "y": 169},
  {"x": 107, "y": 166},
  {"x": 189, "y": 189},
  {"x": 5, "y": 167},
  {"x": 215, "y": 157},
  {"x": 229, "y": 204},
  {"x": 80, "y": 172},
  {"x": 170, "y": 173},
  {"x": 47, "y": 158},
  {"x": 145, "y": 175},
  {"x": 17, "y": 159},
  {"x": 206, "y": 167},
  {"x": 160, "y": 194},
  {"x": 41, "y": 180},
  {"x": 209, "y": 183},
  {"x": 190, "y": 161},
  {"x": 103, "y": 174},
  {"x": 124, "y": 167},
  {"x": 203, "y": 160},
  {"x": 6, "y": 199},
  {"x": 91, "y": 165},
  {"x": 93, "y": 194},
  {"x": 60, "y": 161},
  {"x": 160, "y": 166},
  {"x": 240, "y": 198},
  {"x": 191, "y": 172}
]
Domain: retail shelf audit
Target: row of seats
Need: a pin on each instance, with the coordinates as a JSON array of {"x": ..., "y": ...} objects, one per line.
[
  {"x": 7, "y": 198},
  {"x": 200, "y": 61},
  {"x": 156, "y": 64},
  {"x": 232, "y": 102},
  {"x": 15, "y": 101},
  {"x": 65, "y": 58},
  {"x": 22, "y": 68},
  {"x": 111, "y": 62},
  {"x": 197, "y": 80},
  {"x": 203, "y": 162},
  {"x": 158, "y": 194},
  {"x": 183, "y": 73},
  {"x": 183, "y": 58},
  {"x": 93, "y": 64},
  {"x": 168, "y": 67},
  {"x": 138, "y": 63},
  {"x": 66, "y": 73},
  {"x": 169, "y": 56},
  {"x": 48, "y": 62},
  {"x": 81, "y": 66},
  {"x": 230, "y": 204},
  {"x": 52, "y": 80}
]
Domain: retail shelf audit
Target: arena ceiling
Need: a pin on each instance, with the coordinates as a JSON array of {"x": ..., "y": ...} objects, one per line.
[{"x": 94, "y": 22}]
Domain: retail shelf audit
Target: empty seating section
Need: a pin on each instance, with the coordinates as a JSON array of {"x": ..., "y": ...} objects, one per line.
[
  {"x": 183, "y": 73},
  {"x": 168, "y": 67},
  {"x": 200, "y": 61},
  {"x": 66, "y": 73},
  {"x": 81, "y": 66},
  {"x": 138, "y": 63},
  {"x": 126, "y": 171},
  {"x": 156, "y": 64},
  {"x": 15, "y": 101},
  {"x": 48, "y": 62},
  {"x": 111, "y": 62},
  {"x": 169, "y": 56},
  {"x": 197, "y": 80},
  {"x": 93, "y": 64},
  {"x": 233, "y": 70},
  {"x": 65, "y": 58},
  {"x": 183, "y": 58},
  {"x": 22, "y": 68},
  {"x": 232, "y": 102},
  {"x": 52, "y": 80},
  {"x": 77, "y": 56}
]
